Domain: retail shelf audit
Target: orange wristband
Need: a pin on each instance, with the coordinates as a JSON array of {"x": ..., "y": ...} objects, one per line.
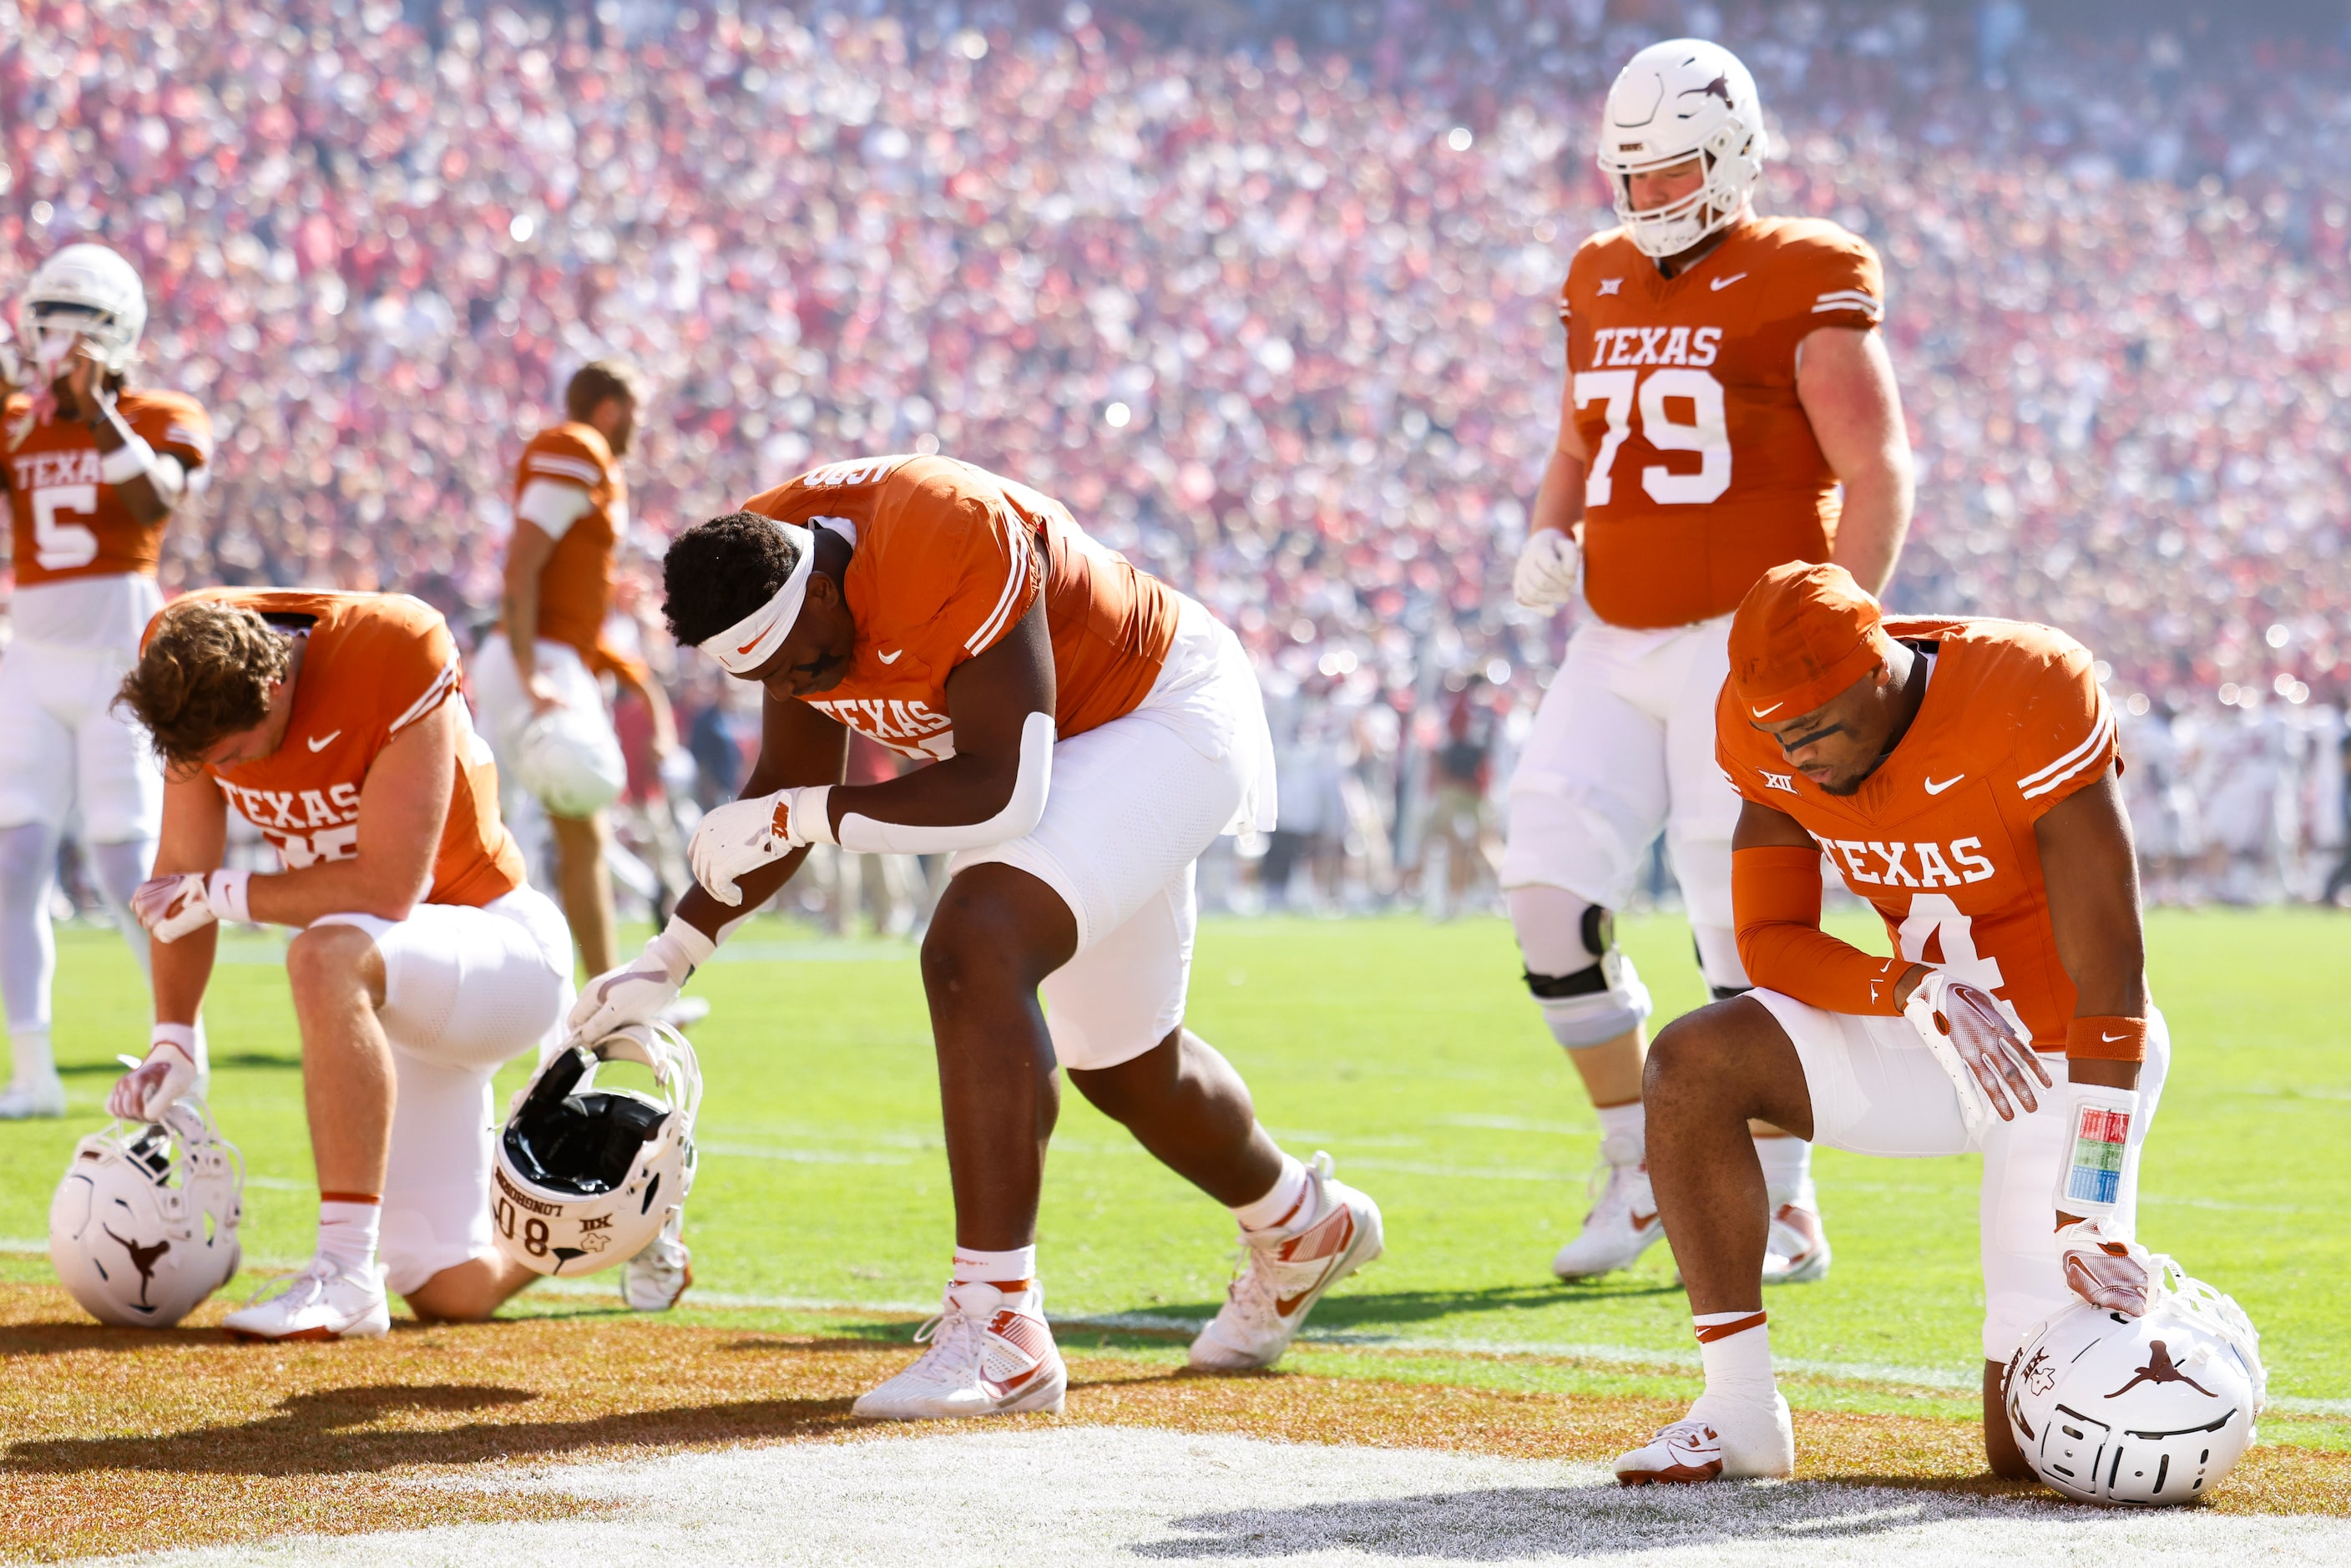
[{"x": 2107, "y": 1040}]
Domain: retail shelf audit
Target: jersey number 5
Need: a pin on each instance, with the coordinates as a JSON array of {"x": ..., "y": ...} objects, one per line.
[
  {"x": 1706, "y": 432},
  {"x": 61, "y": 546}
]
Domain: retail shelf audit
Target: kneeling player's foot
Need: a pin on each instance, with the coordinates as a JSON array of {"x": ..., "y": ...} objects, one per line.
[
  {"x": 42, "y": 1095},
  {"x": 653, "y": 1280},
  {"x": 323, "y": 1301},
  {"x": 1798, "y": 1252},
  {"x": 1623, "y": 1224},
  {"x": 990, "y": 1354},
  {"x": 1285, "y": 1270},
  {"x": 686, "y": 1012},
  {"x": 1720, "y": 1439}
]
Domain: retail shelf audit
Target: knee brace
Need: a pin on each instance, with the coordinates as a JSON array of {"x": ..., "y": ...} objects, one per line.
[{"x": 1589, "y": 992}]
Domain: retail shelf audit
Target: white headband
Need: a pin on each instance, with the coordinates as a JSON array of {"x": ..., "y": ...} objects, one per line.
[{"x": 753, "y": 641}]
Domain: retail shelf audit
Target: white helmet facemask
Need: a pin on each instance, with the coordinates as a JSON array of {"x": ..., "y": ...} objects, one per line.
[
  {"x": 1672, "y": 102},
  {"x": 143, "y": 1226},
  {"x": 85, "y": 293}
]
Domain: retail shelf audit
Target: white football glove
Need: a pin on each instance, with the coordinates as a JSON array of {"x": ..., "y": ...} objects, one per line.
[
  {"x": 637, "y": 993},
  {"x": 2105, "y": 1267},
  {"x": 740, "y": 837},
  {"x": 172, "y": 906},
  {"x": 1550, "y": 566},
  {"x": 1976, "y": 1047},
  {"x": 168, "y": 1073}
]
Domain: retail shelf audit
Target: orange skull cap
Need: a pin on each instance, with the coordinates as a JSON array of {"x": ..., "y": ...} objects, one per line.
[{"x": 1802, "y": 634}]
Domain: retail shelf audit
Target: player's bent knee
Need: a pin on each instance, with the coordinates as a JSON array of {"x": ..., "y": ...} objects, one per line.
[
  {"x": 1590, "y": 992},
  {"x": 331, "y": 960}
]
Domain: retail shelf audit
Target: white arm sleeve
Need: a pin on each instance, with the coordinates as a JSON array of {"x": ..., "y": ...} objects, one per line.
[
  {"x": 552, "y": 506},
  {"x": 864, "y": 835}
]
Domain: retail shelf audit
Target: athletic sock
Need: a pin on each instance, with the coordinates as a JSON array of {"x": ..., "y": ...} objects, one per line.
[
  {"x": 1736, "y": 1348},
  {"x": 33, "y": 1060},
  {"x": 349, "y": 1223},
  {"x": 1280, "y": 1205},
  {"x": 1623, "y": 1134},
  {"x": 1012, "y": 1271},
  {"x": 1787, "y": 1171}
]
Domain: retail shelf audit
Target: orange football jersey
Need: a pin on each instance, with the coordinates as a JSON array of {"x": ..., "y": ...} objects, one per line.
[
  {"x": 66, "y": 521},
  {"x": 1939, "y": 840},
  {"x": 948, "y": 557},
  {"x": 575, "y": 586},
  {"x": 1704, "y": 472},
  {"x": 373, "y": 665}
]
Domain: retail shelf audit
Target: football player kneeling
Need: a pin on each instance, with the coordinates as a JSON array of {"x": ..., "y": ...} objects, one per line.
[
  {"x": 588, "y": 1177},
  {"x": 143, "y": 1226}
]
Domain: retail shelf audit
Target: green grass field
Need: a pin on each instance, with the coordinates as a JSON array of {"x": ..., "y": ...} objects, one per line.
[{"x": 1412, "y": 1054}]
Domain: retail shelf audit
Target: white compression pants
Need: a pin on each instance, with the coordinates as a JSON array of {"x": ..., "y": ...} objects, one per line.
[
  {"x": 465, "y": 990},
  {"x": 28, "y": 952},
  {"x": 1876, "y": 1089}
]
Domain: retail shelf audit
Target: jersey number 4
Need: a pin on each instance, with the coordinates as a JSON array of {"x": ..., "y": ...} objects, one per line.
[
  {"x": 60, "y": 546},
  {"x": 1934, "y": 918},
  {"x": 1705, "y": 432}
]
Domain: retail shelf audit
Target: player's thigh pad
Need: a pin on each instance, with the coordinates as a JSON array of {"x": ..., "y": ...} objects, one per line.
[
  {"x": 1124, "y": 994},
  {"x": 467, "y": 988},
  {"x": 1589, "y": 793},
  {"x": 2023, "y": 1281},
  {"x": 1131, "y": 805},
  {"x": 1874, "y": 1087},
  {"x": 37, "y": 742}
]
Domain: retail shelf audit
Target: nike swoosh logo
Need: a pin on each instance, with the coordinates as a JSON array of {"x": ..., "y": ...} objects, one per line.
[
  {"x": 1719, "y": 284},
  {"x": 1935, "y": 789},
  {"x": 321, "y": 743},
  {"x": 1767, "y": 711},
  {"x": 2110, "y": 1039},
  {"x": 1643, "y": 1221},
  {"x": 891, "y": 658},
  {"x": 749, "y": 646}
]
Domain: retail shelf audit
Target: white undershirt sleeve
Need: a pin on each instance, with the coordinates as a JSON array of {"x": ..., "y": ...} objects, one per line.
[{"x": 551, "y": 506}]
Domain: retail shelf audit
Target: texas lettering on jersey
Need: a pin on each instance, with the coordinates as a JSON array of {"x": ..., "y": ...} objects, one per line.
[
  {"x": 1940, "y": 840},
  {"x": 1702, "y": 471}
]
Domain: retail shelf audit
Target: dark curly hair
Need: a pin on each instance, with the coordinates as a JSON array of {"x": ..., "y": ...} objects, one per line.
[
  {"x": 205, "y": 674},
  {"x": 718, "y": 572}
]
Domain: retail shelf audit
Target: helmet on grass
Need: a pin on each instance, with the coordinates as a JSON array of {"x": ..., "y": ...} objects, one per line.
[{"x": 143, "y": 1226}]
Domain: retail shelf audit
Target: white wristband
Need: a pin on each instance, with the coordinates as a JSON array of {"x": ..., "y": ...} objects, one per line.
[
  {"x": 229, "y": 893},
  {"x": 812, "y": 814},
  {"x": 2100, "y": 1124},
  {"x": 686, "y": 944},
  {"x": 180, "y": 1036},
  {"x": 126, "y": 462}
]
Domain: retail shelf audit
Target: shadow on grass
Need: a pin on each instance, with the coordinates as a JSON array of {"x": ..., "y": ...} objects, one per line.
[
  {"x": 314, "y": 1434},
  {"x": 1366, "y": 1312}
]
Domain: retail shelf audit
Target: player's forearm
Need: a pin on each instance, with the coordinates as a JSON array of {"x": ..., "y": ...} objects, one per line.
[
  {"x": 386, "y": 887},
  {"x": 1876, "y": 520},
  {"x": 1559, "y": 501},
  {"x": 520, "y": 620},
  {"x": 181, "y": 971},
  {"x": 707, "y": 915},
  {"x": 148, "y": 483},
  {"x": 1775, "y": 893}
]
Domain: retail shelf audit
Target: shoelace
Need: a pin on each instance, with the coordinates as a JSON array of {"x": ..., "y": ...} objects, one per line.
[
  {"x": 952, "y": 1333},
  {"x": 1692, "y": 1434},
  {"x": 316, "y": 1276}
]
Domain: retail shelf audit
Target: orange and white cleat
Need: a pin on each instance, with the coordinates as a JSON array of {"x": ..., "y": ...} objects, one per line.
[
  {"x": 1284, "y": 1272},
  {"x": 991, "y": 1353},
  {"x": 1719, "y": 1440},
  {"x": 1621, "y": 1224},
  {"x": 1798, "y": 1252}
]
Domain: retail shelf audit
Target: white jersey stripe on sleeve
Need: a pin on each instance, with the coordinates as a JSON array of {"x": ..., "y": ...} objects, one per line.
[
  {"x": 2074, "y": 761},
  {"x": 1004, "y": 601},
  {"x": 1849, "y": 300},
  {"x": 555, "y": 465},
  {"x": 442, "y": 686}
]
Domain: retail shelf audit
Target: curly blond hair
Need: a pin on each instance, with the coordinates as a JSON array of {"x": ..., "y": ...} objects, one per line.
[{"x": 205, "y": 674}]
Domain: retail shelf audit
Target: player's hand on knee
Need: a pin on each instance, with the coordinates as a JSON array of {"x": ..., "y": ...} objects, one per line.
[
  {"x": 1549, "y": 567},
  {"x": 741, "y": 836},
  {"x": 1987, "y": 1061},
  {"x": 142, "y": 1093},
  {"x": 2106, "y": 1269}
]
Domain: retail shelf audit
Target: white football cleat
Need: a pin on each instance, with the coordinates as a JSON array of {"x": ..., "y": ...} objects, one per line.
[
  {"x": 1798, "y": 1252},
  {"x": 653, "y": 1280},
  {"x": 323, "y": 1301},
  {"x": 1284, "y": 1272},
  {"x": 991, "y": 1353},
  {"x": 1621, "y": 1224},
  {"x": 26, "y": 1099},
  {"x": 1719, "y": 1440}
]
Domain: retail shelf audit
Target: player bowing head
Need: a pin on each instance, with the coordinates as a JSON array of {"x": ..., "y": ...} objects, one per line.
[
  {"x": 1960, "y": 775},
  {"x": 1089, "y": 731},
  {"x": 421, "y": 962},
  {"x": 1728, "y": 405}
]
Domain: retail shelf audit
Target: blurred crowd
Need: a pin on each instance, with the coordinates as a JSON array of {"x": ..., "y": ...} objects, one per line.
[{"x": 1264, "y": 294}]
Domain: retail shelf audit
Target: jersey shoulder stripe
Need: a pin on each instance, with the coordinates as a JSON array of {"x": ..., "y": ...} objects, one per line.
[
  {"x": 1849, "y": 300},
  {"x": 2042, "y": 780},
  {"x": 990, "y": 628},
  {"x": 443, "y": 684},
  {"x": 559, "y": 467}
]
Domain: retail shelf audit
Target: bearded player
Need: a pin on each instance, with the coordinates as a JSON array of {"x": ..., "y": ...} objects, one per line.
[
  {"x": 1729, "y": 406},
  {"x": 94, "y": 469},
  {"x": 1962, "y": 777},
  {"x": 1090, "y": 731},
  {"x": 420, "y": 960}
]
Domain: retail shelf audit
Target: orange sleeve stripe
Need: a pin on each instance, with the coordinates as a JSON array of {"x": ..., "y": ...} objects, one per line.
[
  {"x": 2106, "y": 1039},
  {"x": 1775, "y": 897}
]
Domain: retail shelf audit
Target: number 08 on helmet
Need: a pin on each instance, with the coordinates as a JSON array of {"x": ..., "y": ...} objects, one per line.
[{"x": 586, "y": 1176}]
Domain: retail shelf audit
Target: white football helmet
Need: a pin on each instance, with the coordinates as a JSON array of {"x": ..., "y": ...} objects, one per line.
[
  {"x": 143, "y": 1226},
  {"x": 83, "y": 292},
  {"x": 2143, "y": 1412},
  {"x": 571, "y": 761},
  {"x": 1673, "y": 101},
  {"x": 587, "y": 1177}
]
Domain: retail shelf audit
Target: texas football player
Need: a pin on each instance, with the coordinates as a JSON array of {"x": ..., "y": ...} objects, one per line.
[
  {"x": 960, "y": 618},
  {"x": 94, "y": 469},
  {"x": 1960, "y": 776},
  {"x": 1728, "y": 405},
  {"x": 421, "y": 959}
]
